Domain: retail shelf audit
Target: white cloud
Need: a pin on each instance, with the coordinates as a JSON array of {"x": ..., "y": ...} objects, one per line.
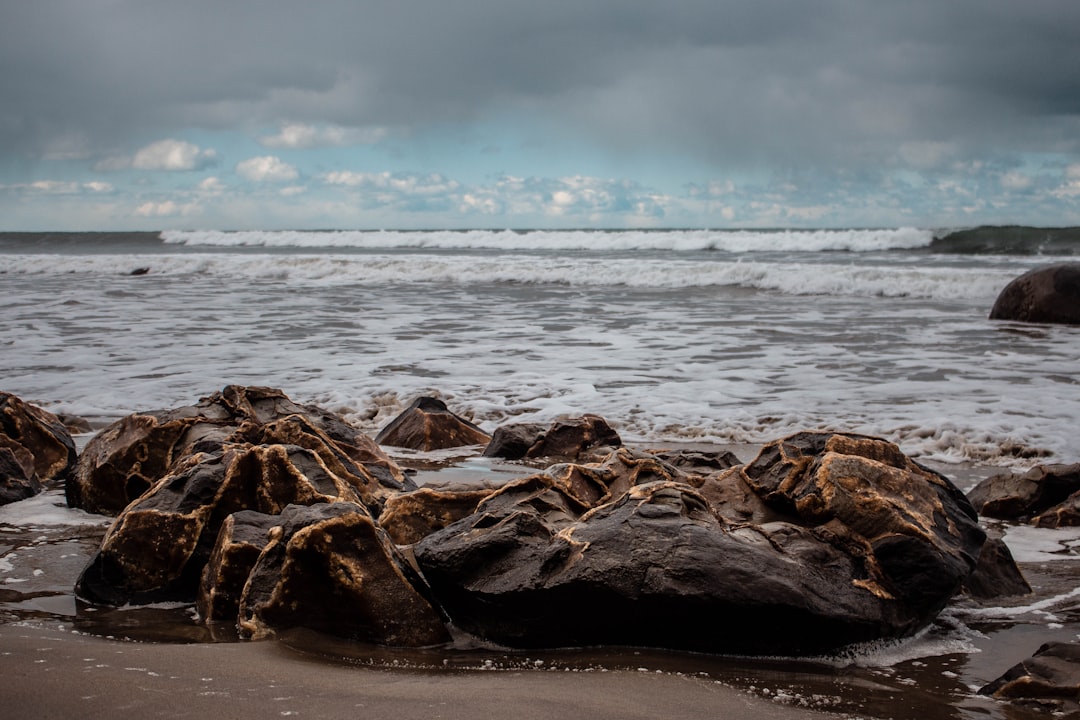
[
  {"x": 172, "y": 155},
  {"x": 266, "y": 168},
  {"x": 166, "y": 208},
  {"x": 1016, "y": 181},
  {"x": 211, "y": 185},
  {"x": 300, "y": 136},
  {"x": 98, "y": 187},
  {"x": 292, "y": 190}
]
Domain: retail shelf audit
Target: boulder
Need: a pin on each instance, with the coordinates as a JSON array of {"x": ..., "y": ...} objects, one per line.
[
  {"x": 581, "y": 439},
  {"x": 855, "y": 542},
  {"x": 239, "y": 543},
  {"x": 126, "y": 458},
  {"x": 1044, "y": 295},
  {"x": 157, "y": 547},
  {"x": 1052, "y": 672},
  {"x": 330, "y": 568},
  {"x": 1024, "y": 496},
  {"x": 427, "y": 425},
  {"x": 996, "y": 574},
  {"x": 35, "y": 449}
]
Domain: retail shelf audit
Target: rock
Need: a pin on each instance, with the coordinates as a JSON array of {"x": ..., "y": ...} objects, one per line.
[
  {"x": 122, "y": 461},
  {"x": 582, "y": 439},
  {"x": 856, "y": 543},
  {"x": 1052, "y": 672},
  {"x": 996, "y": 574},
  {"x": 409, "y": 517},
  {"x": 1023, "y": 496},
  {"x": 330, "y": 568},
  {"x": 35, "y": 449},
  {"x": 699, "y": 462},
  {"x": 427, "y": 425},
  {"x": 157, "y": 547},
  {"x": 239, "y": 543},
  {"x": 1044, "y": 295}
]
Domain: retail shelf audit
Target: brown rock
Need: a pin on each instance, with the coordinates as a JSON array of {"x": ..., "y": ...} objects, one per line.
[
  {"x": 1052, "y": 672},
  {"x": 1022, "y": 496},
  {"x": 1044, "y": 295},
  {"x": 584, "y": 439},
  {"x": 330, "y": 568},
  {"x": 427, "y": 425},
  {"x": 35, "y": 449},
  {"x": 122, "y": 461},
  {"x": 158, "y": 546},
  {"x": 996, "y": 575},
  {"x": 240, "y": 541},
  {"x": 409, "y": 517}
]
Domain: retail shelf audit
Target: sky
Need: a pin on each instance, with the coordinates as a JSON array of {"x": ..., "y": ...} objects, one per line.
[{"x": 384, "y": 114}]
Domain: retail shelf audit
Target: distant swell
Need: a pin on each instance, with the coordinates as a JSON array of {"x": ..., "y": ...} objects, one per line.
[
  {"x": 734, "y": 241},
  {"x": 1010, "y": 240}
]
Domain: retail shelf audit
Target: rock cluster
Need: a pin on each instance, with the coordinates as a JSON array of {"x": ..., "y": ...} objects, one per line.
[
  {"x": 268, "y": 515},
  {"x": 35, "y": 449},
  {"x": 1045, "y": 496}
]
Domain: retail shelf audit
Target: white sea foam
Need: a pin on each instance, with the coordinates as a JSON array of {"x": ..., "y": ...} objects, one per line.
[
  {"x": 792, "y": 278},
  {"x": 1030, "y": 544},
  {"x": 47, "y": 509},
  {"x": 508, "y": 240}
]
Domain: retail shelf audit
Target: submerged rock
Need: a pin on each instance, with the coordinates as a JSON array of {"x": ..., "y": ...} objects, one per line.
[
  {"x": 1044, "y": 295},
  {"x": 330, "y": 568},
  {"x": 125, "y": 459},
  {"x": 860, "y": 543},
  {"x": 427, "y": 425},
  {"x": 35, "y": 449}
]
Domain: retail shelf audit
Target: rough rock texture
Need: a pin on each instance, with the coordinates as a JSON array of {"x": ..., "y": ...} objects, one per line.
[
  {"x": 122, "y": 461},
  {"x": 428, "y": 424},
  {"x": 1048, "y": 495},
  {"x": 582, "y": 439},
  {"x": 409, "y": 517},
  {"x": 331, "y": 568},
  {"x": 158, "y": 546},
  {"x": 1044, "y": 295},
  {"x": 241, "y": 539},
  {"x": 858, "y": 543},
  {"x": 35, "y": 449},
  {"x": 1052, "y": 672}
]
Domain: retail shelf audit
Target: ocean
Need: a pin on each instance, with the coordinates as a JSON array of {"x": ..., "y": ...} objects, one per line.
[
  {"x": 678, "y": 336},
  {"x": 687, "y": 335}
]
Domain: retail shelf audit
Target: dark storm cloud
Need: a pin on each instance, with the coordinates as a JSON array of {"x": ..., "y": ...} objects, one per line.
[{"x": 787, "y": 81}]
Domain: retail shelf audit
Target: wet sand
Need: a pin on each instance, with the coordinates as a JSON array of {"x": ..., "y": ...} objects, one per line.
[{"x": 55, "y": 674}]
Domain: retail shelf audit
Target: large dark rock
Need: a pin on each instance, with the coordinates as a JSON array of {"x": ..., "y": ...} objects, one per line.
[
  {"x": 122, "y": 461},
  {"x": 157, "y": 547},
  {"x": 409, "y": 517},
  {"x": 996, "y": 575},
  {"x": 35, "y": 449},
  {"x": 1045, "y": 494},
  {"x": 427, "y": 425},
  {"x": 1044, "y": 295},
  {"x": 1052, "y": 672},
  {"x": 861, "y": 543},
  {"x": 240, "y": 541},
  {"x": 581, "y": 439},
  {"x": 330, "y": 568}
]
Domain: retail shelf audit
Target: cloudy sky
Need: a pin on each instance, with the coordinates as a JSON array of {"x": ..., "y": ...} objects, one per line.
[{"x": 140, "y": 114}]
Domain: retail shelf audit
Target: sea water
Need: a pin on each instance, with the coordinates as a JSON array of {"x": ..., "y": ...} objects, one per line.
[{"x": 728, "y": 336}]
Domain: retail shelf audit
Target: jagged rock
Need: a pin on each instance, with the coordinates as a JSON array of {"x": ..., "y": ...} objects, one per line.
[
  {"x": 1043, "y": 295},
  {"x": 35, "y": 449},
  {"x": 582, "y": 439},
  {"x": 122, "y": 461},
  {"x": 699, "y": 462},
  {"x": 409, "y": 517},
  {"x": 427, "y": 425},
  {"x": 1052, "y": 672},
  {"x": 330, "y": 568},
  {"x": 1023, "y": 496},
  {"x": 859, "y": 543},
  {"x": 996, "y": 574},
  {"x": 240, "y": 541},
  {"x": 158, "y": 546}
]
